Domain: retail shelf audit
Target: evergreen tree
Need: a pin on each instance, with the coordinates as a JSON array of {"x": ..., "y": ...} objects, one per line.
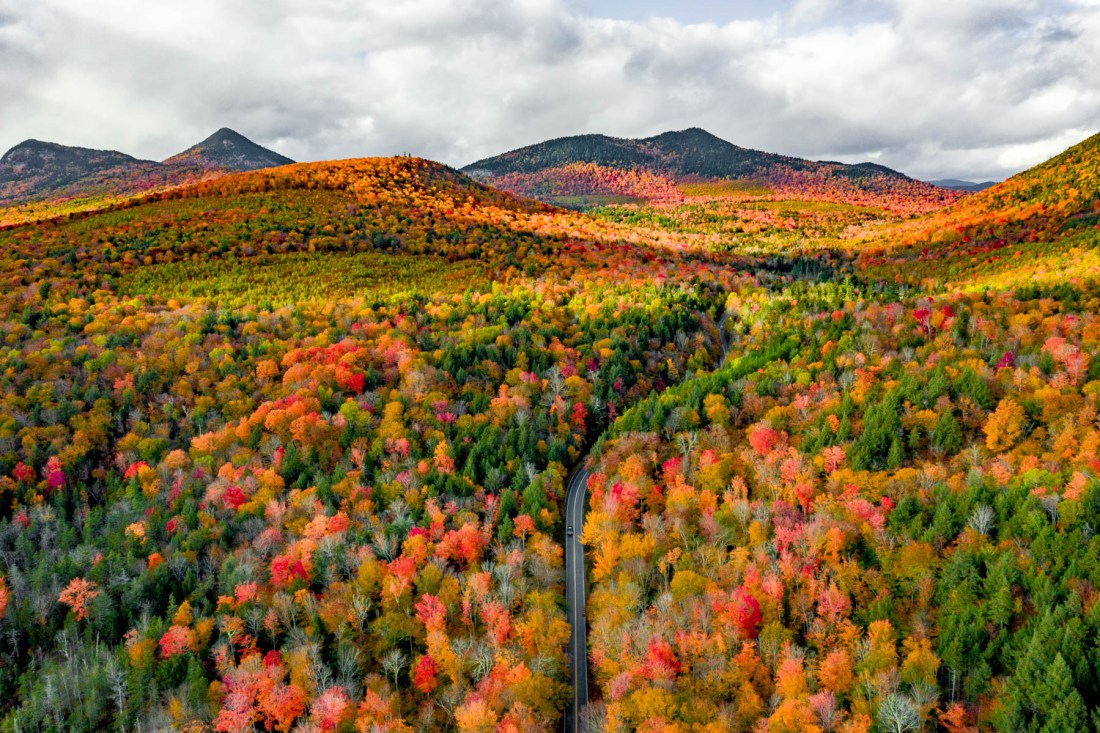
[
  {"x": 881, "y": 426},
  {"x": 947, "y": 435},
  {"x": 973, "y": 386},
  {"x": 1060, "y": 706},
  {"x": 896, "y": 456}
]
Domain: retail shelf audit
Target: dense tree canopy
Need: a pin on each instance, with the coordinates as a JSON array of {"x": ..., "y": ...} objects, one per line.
[{"x": 287, "y": 451}]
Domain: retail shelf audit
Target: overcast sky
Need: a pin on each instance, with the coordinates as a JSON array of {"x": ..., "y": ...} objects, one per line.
[{"x": 936, "y": 88}]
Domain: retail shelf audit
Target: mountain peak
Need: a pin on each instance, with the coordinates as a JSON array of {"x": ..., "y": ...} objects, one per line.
[
  {"x": 36, "y": 170},
  {"x": 29, "y": 145},
  {"x": 697, "y": 134},
  {"x": 226, "y": 136},
  {"x": 34, "y": 154},
  {"x": 229, "y": 150}
]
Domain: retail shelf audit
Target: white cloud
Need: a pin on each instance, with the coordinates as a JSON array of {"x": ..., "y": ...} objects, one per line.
[{"x": 939, "y": 87}]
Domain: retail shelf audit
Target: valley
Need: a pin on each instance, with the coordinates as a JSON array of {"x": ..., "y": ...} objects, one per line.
[{"x": 300, "y": 447}]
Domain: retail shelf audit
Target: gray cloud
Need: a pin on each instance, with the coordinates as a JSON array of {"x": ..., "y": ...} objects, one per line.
[{"x": 937, "y": 88}]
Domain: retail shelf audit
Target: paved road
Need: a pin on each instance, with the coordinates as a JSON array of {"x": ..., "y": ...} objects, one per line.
[
  {"x": 575, "y": 588},
  {"x": 575, "y": 598}
]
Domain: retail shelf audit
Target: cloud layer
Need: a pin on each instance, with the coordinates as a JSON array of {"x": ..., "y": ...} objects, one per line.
[{"x": 936, "y": 88}]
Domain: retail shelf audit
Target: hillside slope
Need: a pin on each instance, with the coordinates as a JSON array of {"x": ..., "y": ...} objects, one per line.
[
  {"x": 1038, "y": 226},
  {"x": 399, "y": 205}
]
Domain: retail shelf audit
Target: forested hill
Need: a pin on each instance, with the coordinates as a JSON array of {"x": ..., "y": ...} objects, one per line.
[
  {"x": 1038, "y": 227},
  {"x": 685, "y": 153},
  {"x": 655, "y": 168}
]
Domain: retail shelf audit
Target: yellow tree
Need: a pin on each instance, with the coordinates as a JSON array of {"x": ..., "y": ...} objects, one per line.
[{"x": 1004, "y": 425}]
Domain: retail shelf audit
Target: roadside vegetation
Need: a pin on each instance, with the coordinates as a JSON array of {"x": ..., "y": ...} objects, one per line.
[{"x": 286, "y": 451}]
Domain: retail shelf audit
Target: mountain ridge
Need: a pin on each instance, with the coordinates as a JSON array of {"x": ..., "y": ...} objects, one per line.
[
  {"x": 595, "y": 169},
  {"x": 692, "y": 151},
  {"x": 36, "y": 171},
  {"x": 958, "y": 185}
]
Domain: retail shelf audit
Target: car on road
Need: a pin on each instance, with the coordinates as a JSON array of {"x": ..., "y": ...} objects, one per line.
[{"x": 569, "y": 531}]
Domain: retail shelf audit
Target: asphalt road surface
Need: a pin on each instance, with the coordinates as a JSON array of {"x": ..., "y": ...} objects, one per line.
[
  {"x": 575, "y": 599},
  {"x": 575, "y": 589}
]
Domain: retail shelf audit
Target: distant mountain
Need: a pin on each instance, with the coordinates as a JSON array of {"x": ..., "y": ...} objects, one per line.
[
  {"x": 688, "y": 153},
  {"x": 957, "y": 185},
  {"x": 231, "y": 151},
  {"x": 36, "y": 171},
  {"x": 595, "y": 165}
]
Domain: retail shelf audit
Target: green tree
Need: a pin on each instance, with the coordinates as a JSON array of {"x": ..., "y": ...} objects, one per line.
[
  {"x": 1061, "y": 707},
  {"x": 947, "y": 435}
]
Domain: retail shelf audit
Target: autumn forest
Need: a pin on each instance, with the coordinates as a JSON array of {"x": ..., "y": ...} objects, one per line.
[{"x": 288, "y": 449}]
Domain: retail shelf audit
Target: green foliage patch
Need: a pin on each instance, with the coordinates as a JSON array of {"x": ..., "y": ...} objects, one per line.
[{"x": 301, "y": 277}]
